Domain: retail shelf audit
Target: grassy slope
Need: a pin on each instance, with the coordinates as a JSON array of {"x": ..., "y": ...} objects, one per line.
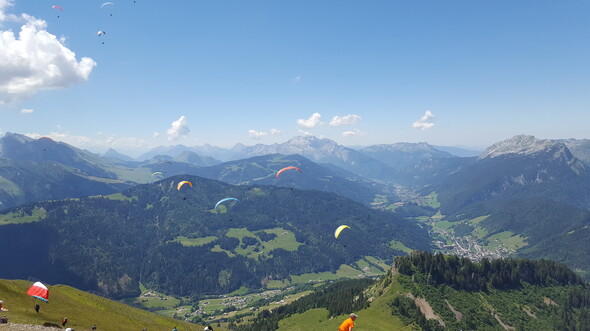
[
  {"x": 82, "y": 310},
  {"x": 377, "y": 317}
]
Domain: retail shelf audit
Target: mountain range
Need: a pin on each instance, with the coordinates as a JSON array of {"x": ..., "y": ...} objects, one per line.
[
  {"x": 175, "y": 240},
  {"x": 529, "y": 196}
]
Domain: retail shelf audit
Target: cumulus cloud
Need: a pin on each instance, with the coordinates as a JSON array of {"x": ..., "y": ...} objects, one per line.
[
  {"x": 35, "y": 60},
  {"x": 353, "y": 132},
  {"x": 350, "y": 119},
  {"x": 305, "y": 133},
  {"x": 256, "y": 134},
  {"x": 3, "y": 5},
  {"x": 425, "y": 122},
  {"x": 26, "y": 111},
  {"x": 314, "y": 120},
  {"x": 178, "y": 129}
]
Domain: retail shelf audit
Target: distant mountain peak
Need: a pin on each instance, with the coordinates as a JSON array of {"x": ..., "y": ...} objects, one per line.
[
  {"x": 525, "y": 145},
  {"x": 311, "y": 141},
  {"x": 112, "y": 153}
]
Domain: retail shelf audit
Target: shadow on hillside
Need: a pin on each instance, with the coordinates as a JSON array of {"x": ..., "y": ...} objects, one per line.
[{"x": 52, "y": 325}]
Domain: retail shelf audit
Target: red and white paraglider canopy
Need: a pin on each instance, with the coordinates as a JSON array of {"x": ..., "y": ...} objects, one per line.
[{"x": 39, "y": 291}]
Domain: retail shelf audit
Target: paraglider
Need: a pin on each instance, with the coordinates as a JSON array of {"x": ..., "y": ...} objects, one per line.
[
  {"x": 57, "y": 7},
  {"x": 157, "y": 174},
  {"x": 101, "y": 33},
  {"x": 107, "y": 4},
  {"x": 339, "y": 229},
  {"x": 287, "y": 168},
  {"x": 182, "y": 183},
  {"x": 39, "y": 291},
  {"x": 224, "y": 200}
]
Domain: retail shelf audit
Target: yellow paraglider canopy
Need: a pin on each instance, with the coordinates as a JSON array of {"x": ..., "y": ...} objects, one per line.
[
  {"x": 339, "y": 229},
  {"x": 182, "y": 183}
]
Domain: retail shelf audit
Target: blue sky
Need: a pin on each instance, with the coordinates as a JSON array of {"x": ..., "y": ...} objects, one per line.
[{"x": 454, "y": 73}]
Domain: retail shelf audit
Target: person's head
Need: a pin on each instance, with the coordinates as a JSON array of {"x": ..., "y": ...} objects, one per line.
[{"x": 353, "y": 316}]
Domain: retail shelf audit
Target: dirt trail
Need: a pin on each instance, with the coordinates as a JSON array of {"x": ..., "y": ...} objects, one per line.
[
  {"x": 458, "y": 315},
  {"x": 426, "y": 309},
  {"x": 25, "y": 327}
]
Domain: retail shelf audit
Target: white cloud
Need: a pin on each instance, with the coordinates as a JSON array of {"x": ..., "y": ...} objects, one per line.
[
  {"x": 350, "y": 119},
  {"x": 353, "y": 132},
  {"x": 35, "y": 60},
  {"x": 424, "y": 123},
  {"x": 275, "y": 132},
  {"x": 256, "y": 134},
  {"x": 178, "y": 129},
  {"x": 305, "y": 133},
  {"x": 314, "y": 120},
  {"x": 26, "y": 111},
  {"x": 4, "y": 4}
]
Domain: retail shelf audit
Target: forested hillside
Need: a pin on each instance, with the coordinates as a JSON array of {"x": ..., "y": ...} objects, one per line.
[
  {"x": 489, "y": 295},
  {"x": 26, "y": 181},
  {"x": 445, "y": 292},
  {"x": 176, "y": 242}
]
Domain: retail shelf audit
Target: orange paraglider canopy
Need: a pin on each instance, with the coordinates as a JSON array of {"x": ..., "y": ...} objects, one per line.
[
  {"x": 182, "y": 183},
  {"x": 287, "y": 168}
]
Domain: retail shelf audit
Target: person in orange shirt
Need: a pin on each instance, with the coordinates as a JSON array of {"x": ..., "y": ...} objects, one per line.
[{"x": 348, "y": 324}]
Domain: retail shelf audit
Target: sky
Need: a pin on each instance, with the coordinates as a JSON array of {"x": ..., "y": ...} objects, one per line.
[{"x": 220, "y": 72}]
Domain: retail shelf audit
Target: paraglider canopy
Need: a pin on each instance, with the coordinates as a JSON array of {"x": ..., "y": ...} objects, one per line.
[
  {"x": 224, "y": 200},
  {"x": 56, "y": 6},
  {"x": 182, "y": 183},
  {"x": 101, "y": 33},
  {"x": 107, "y": 4},
  {"x": 39, "y": 291},
  {"x": 339, "y": 229},
  {"x": 287, "y": 168}
]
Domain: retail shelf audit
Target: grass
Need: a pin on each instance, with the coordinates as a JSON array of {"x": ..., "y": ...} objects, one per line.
[
  {"x": 478, "y": 220},
  {"x": 444, "y": 224},
  {"x": 285, "y": 239},
  {"x": 399, "y": 246},
  {"x": 345, "y": 271},
  {"x": 378, "y": 262},
  {"x": 218, "y": 248},
  {"x": 508, "y": 239},
  {"x": 152, "y": 299},
  {"x": 20, "y": 216},
  {"x": 9, "y": 187},
  {"x": 188, "y": 242},
  {"x": 120, "y": 197},
  {"x": 82, "y": 310},
  {"x": 377, "y": 317}
]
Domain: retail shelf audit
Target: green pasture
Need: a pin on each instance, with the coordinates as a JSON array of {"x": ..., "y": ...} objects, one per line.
[
  {"x": 188, "y": 242},
  {"x": 394, "y": 244},
  {"x": 120, "y": 197},
  {"x": 19, "y": 216},
  {"x": 510, "y": 240},
  {"x": 9, "y": 187}
]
